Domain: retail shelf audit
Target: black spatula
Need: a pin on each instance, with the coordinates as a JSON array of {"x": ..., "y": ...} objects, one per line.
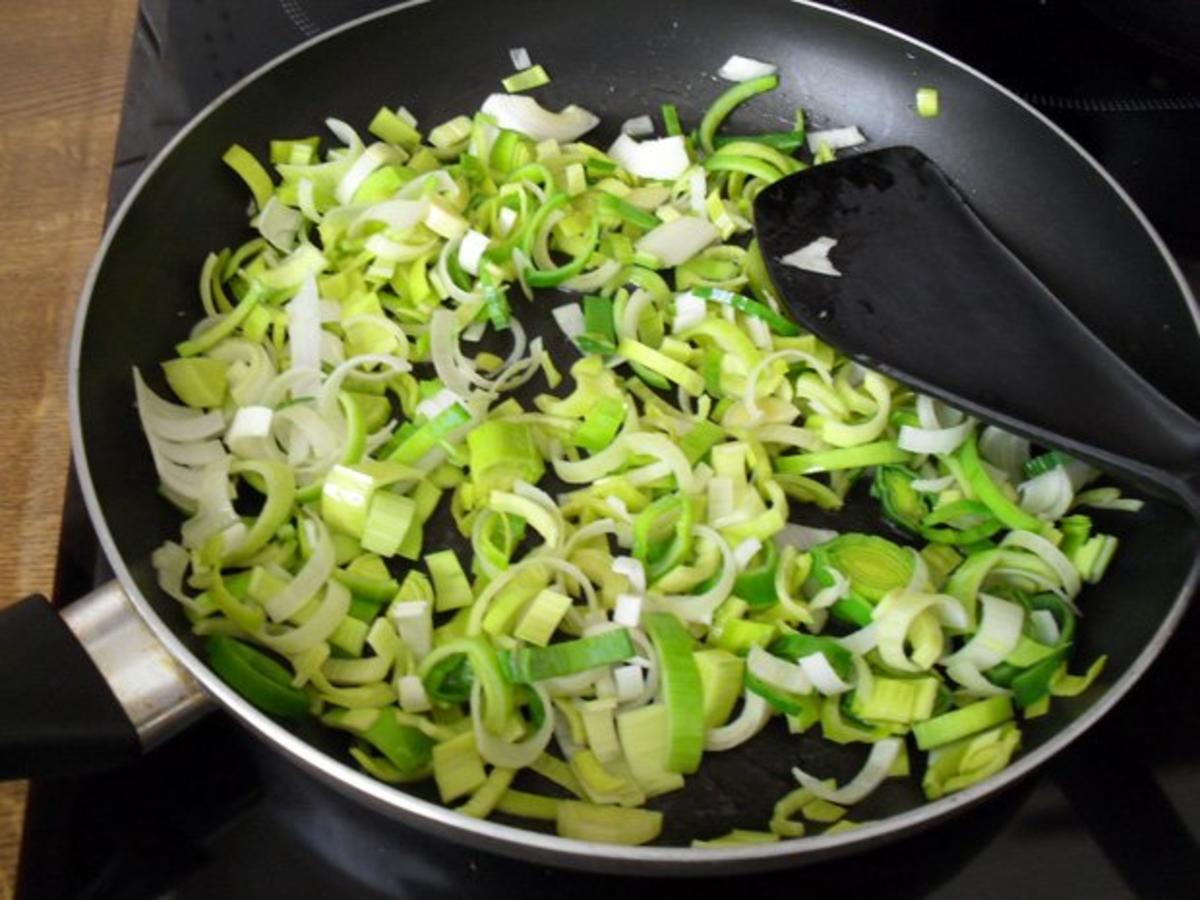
[{"x": 928, "y": 295}]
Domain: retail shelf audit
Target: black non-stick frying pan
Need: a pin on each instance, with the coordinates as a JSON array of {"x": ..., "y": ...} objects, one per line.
[{"x": 1044, "y": 197}]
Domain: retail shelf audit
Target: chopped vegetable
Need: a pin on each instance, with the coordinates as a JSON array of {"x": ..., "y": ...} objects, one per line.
[
  {"x": 362, "y": 449},
  {"x": 927, "y": 102},
  {"x": 525, "y": 80}
]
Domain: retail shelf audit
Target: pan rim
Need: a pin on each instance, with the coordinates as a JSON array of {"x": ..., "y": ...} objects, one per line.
[{"x": 517, "y": 842}]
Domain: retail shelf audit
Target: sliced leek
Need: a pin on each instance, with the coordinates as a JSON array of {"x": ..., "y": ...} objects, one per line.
[{"x": 371, "y": 534}]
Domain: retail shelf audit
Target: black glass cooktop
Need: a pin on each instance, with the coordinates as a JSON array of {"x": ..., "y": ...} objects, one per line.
[{"x": 212, "y": 814}]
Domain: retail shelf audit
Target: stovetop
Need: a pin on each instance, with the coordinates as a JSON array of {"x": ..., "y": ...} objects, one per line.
[{"x": 213, "y": 813}]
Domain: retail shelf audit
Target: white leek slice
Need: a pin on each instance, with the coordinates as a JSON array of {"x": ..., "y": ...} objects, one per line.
[
  {"x": 649, "y": 196},
  {"x": 628, "y": 610},
  {"x": 389, "y": 365},
  {"x": 505, "y": 220},
  {"x": 746, "y": 551},
  {"x": 250, "y": 369},
  {"x": 862, "y": 641},
  {"x": 690, "y": 311},
  {"x": 755, "y": 714},
  {"x": 760, "y": 333},
  {"x": 1048, "y": 495},
  {"x": 520, "y": 58},
  {"x": 442, "y": 183},
  {"x": 315, "y": 572},
  {"x": 569, "y": 319},
  {"x": 396, "y": 214},
  {"x": 697, "y": 192},
  {"x": 633, "y": 570},
  {"x": 310, "y": 442},
  {"x": 414, "y": 625},
  {"x": 721, "y": 507},
  {"x": 587, "y": 470},
  {"x": 384, "y": 248},
  {"x": 528, "y": 117},
  {"x": 803, "y": 537},
  {"x": 894, "y": 616},
  {"x": 249, "y": 434},
  {"x": 377, "y": 155},
  {"x": 306, "y": 196},
  {"x": 743, "y": 68},
  {"x": 638, "y": 126},
  {"x": 279, "y": 224},
  {"x": 173, "y": 461},
  {"x": 932, "y": 485},
  {"x": 1067, "y": 574},
  {"x": 304, "y": 336},
  {"x": 589, "y": 281},
  {"x": 778, "y": 673},
  {"x": 471, "y": 250},
  {"x": 938, "y": 441},
  {"x": 1080, "y": 473},
  {"x": 700, "y": 607},
  {"x": 835, "y": 138},
  {"x": 813, "y": 257},
  {"x": 191, "y": 453},
  {"x": 447, "y": 223},
  {"x": 639, "y": 301},
  {"x": 998, "y": 633},
  {"x": 662, "y": 158},
  {"x": 816, "y": 666},
  {"x": 443, "y": 347},
  {"x": 174, "y": 421},
  {"x": 630, "y": 683},
  {"x": 1004, "y": 450},
  {"x": 1045, "y": 626},
  {"x": 674, "y": 243},
  {"x": 347, "y": 135},
  {"x": 663, "y": 448},
  {"x": 434, "y": 406},
  {"x": 933, "y": 413},
  {"x": 510, "y": 754},
  {"x": 497, "y": 584},
  {"x": 411, "y": 692},
  {"x": 830, "y": 595},
  {"x": 968, "y": 675},
  {"x": 170, "y": 563},
  {"x": 548, "y": 524},
  {"x": 874, "y": 771},
  {"x": 330, "y": 612},
  {"x": 214, "y": 510}
]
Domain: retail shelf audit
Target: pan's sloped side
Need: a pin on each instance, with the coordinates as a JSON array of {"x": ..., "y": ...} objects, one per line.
[{"x": 1030, "y": 183}]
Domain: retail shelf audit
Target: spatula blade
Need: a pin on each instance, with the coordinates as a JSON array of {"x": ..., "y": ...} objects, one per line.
[{"x": 928, "y": 295}]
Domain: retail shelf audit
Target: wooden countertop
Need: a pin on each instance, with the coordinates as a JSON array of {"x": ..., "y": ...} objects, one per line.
[{"x": 62, "y": 79}]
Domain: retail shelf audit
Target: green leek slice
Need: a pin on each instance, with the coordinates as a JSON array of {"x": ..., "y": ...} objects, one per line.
[
  {"x": 529, "y": 664},
  {"x": 681, "y": 691}
]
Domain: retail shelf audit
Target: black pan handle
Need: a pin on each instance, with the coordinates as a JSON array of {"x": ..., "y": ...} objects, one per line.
[
  {"x": 86, "y": 690},
  {"x": 58, "y": 716}
]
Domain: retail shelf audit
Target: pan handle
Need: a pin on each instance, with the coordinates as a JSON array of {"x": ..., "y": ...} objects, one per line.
[{"x": 87, "y": 690}]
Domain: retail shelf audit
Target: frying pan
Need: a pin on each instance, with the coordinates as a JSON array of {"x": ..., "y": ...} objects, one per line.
[{"x": 1034, "y": 187}]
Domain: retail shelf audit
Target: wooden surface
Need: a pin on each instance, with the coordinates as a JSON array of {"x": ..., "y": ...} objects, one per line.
[{"x": 62, "y": 76}]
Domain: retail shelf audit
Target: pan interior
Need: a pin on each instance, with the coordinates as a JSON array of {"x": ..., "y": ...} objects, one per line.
[{"x": 1057, "y": 212}]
